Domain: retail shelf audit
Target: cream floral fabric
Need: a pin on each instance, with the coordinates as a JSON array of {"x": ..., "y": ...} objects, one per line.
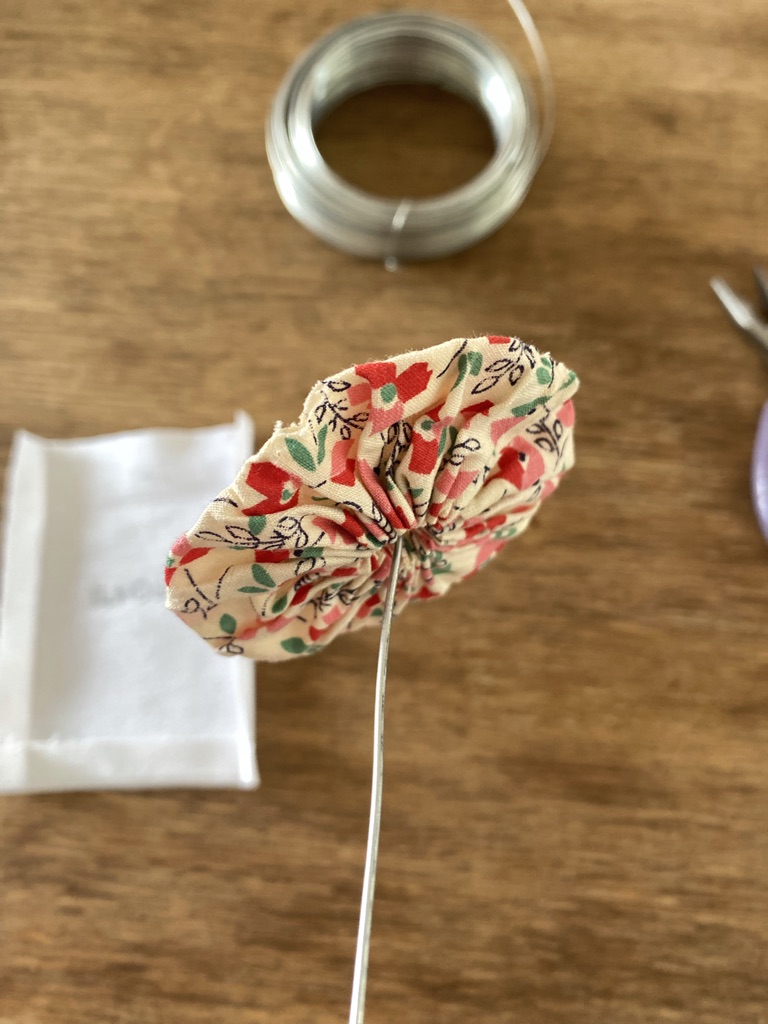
[{"x": 453, "y": 448}]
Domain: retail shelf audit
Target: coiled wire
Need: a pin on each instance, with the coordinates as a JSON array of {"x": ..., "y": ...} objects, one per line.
[{"x": 404, "y": 48}]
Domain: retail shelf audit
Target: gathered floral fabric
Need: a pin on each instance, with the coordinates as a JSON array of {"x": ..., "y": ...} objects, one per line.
[{"x": 453, "y": 448}]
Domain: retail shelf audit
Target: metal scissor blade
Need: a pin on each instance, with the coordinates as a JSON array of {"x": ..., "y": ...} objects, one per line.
[
  {"x": 762, "y": 286},
  {"x": 741, "y": 312}
]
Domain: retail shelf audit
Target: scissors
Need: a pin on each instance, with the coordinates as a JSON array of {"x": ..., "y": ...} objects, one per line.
[{"x": 756, "y": 326}]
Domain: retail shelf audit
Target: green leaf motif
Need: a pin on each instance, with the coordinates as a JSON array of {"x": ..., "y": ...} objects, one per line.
[
  {"x": 462, "y": 365},
  {"x": 523, "y": 410},
  {"x": 256, "y": 524},
  {"x": 505, "y": 533},
  {"x": 294, "y": 645},
  {"x": 227, "y": 624},
  {"x": 300, "y": 454},
  {"x": 321, "y": 443},
  {"x": 261, "y": 575},
  {"x": 309, "y": 553},
  {"x": 279, "y": 606},
  {"x": 251, "y": 590},
  {"x": 544, "y": 376},
  {"x": 472, "y": 361}
]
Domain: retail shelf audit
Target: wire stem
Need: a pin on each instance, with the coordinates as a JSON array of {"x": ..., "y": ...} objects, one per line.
[{"x": 360, "y": 976}]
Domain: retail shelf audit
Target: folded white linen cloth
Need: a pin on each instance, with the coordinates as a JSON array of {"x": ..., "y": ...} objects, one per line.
[{"x": 100, "y": 688}]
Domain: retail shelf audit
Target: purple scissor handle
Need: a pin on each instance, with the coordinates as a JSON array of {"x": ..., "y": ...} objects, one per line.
[
  {"x": 760, "y": 471},
  {"x": 756, "y": 326}
]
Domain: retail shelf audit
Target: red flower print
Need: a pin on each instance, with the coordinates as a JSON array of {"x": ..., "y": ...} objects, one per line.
[
  {"x": 479, "y": 409},
  {"x": 368, "y": 605},
  {"x": 486, "y": 550},
  {"x": 300, "y": 594},
  {"x": 377, "y": 374},
  {"x": 249, "y": 633},
  {"x": 326, "y": 621},
  {"x": 260, "y": 555},
  {"x": 412, "y": 381},
  {"x": 501, "y": 427},
  {"x": 389, "y": 390},
  {"x": 478, "y": 527},
  {"x": 567, "y": 414},
  {"x": 342, "y": 466},
  {"x": 349, "y": 531},
  {"x": 192, "y": 555},
  {"x": 180, "y": 546},
  {"x": 453, "y": 482},
  {"x": 424, "y": 454},
  {"x": 521, "y": 464},
  {"x": 183, "y": 551},
  {"x": 279, "y": 489},
  {"x": 436, "y": 414},
  {"x": 348, "y": 570}
]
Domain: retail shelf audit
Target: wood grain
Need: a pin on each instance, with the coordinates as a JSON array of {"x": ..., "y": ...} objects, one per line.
[{"x": 576, "y": 812}]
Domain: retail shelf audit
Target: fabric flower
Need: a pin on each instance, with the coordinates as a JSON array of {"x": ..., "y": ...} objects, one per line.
[{"x": 452, "y": 448}]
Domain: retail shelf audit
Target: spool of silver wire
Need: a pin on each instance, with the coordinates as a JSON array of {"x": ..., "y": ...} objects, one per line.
[{"x": 404, "y": 48}]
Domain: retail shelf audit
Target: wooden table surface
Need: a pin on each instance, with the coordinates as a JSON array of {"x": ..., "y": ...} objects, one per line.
[{"x": 576, "y": 803}]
